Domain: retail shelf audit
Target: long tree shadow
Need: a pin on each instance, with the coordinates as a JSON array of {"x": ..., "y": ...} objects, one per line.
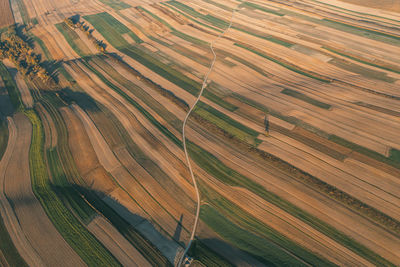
[
  {"x": 52, "y": 67},
  {"x": 20, "y": 29},
  {"x": 82, "y": 99},
  {"x": 153, "y": 244}
]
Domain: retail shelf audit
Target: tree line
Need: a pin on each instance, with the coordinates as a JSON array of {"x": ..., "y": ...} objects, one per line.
[
  {"x": 100, "y": 45},
  {"x": 18, "y": 51}
]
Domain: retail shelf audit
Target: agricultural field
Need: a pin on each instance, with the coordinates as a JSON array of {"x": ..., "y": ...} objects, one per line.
[
  {"x": 200, "y": 133},
  {"x": 6, "y": 14}
]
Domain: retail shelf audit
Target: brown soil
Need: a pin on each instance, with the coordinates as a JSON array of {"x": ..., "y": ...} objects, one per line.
[
  {"x": 84, "y": 155},
  {"x": 6, "y": 17}
]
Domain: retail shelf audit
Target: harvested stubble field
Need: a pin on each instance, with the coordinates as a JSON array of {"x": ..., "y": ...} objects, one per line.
[
  {"x": 294, "y": 143},
  {"x": 7, "y": 17}
]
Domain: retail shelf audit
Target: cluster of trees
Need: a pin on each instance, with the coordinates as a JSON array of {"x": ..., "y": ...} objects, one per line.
[
  {"x": 21, "y": 54},
  {"x": 100, "y": 45}
]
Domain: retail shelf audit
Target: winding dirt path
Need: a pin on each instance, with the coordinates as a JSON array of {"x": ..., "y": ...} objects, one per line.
[{"x": 205, "y": 83}]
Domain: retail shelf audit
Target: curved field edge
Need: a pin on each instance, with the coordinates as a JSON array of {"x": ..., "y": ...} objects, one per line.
[
  {"x": 9, "y": 252},
  {"x": 84, "y": 243},
  {"x": 78, "y": 190}
]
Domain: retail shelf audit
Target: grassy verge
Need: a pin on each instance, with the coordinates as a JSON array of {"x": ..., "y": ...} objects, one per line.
[
  {"x": 80, "y": 239},
  {"x": 305, "y": 98}
]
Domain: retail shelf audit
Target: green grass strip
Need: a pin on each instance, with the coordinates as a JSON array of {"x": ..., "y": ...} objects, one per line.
[
  {"x": 227, "y": 119},
  {"x": 112, "y": 29},
  {"x": 8, "y": 249},
  {"x": 217, "y": 169},
  {"x": 73, "y": 39},
  {"x": 368, "y": 33},
  {"x": 241, "y": 229},
  {"x": 79, "y": 238},
  {"x": 44, "y": 48},
  {"x": 287, "y": 66},
  {"x": 65, "y": 191},
  {"x": 265, "y": 251},
  {"x": 260, "y": 35},
  {"x": 305, "y": 98},
  {"x": 12, "y": 88},
  {"x": 208, "y": 257},
  {"x": 361, "y": 61},
  {"x": 264, "y": 9},
  {"x": 23, "y": 11},
  {"x": 3, "y": 137},
  {"x": 393, "y": 159},
  {"x": 366, "y": 72},
  {"x": 150, "y": 117},
  {"x": 207, "y": 18},
  {"x": 116, "y": 4}
]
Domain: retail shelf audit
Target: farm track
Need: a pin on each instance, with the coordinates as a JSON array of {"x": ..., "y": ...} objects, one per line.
[{"x": 204, "y": 85}]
